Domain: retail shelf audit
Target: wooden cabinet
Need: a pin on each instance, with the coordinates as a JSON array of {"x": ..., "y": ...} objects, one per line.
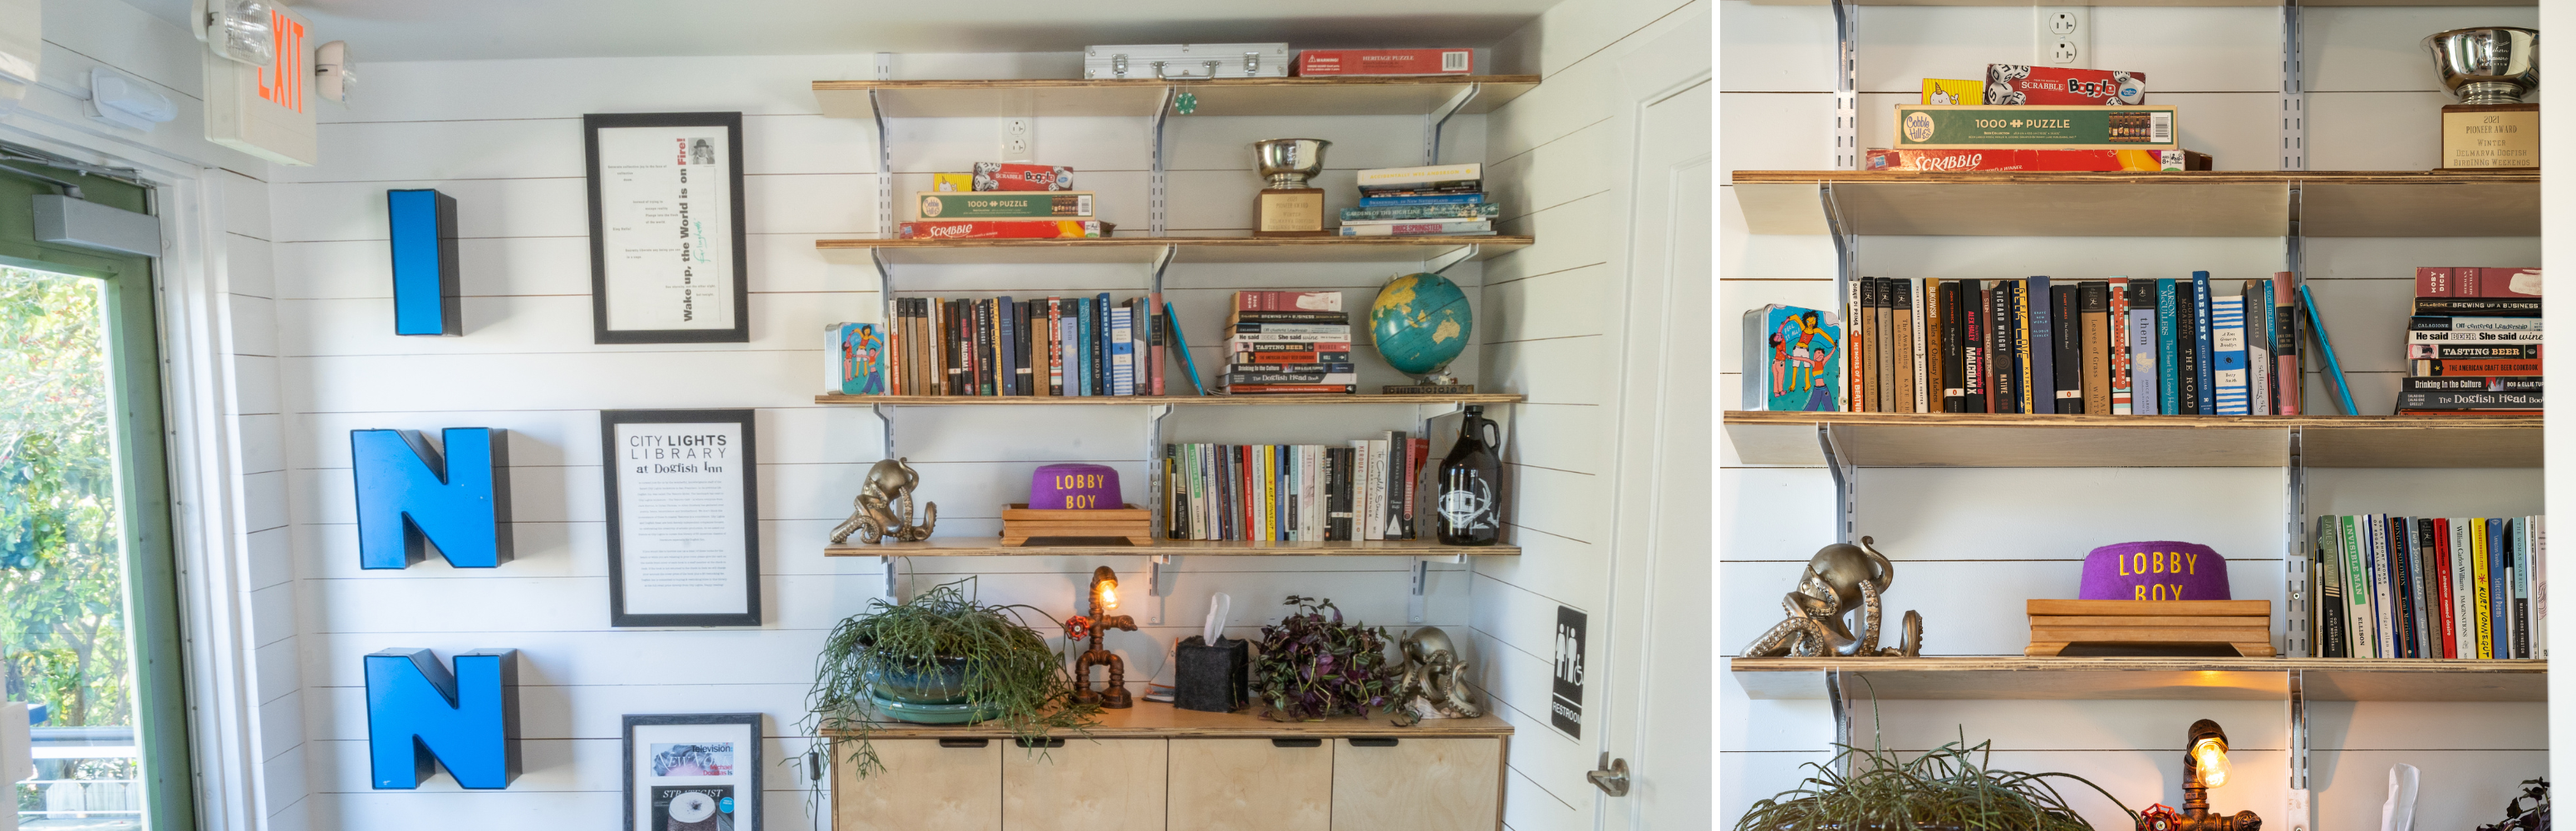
[
  {"x": 1153, "y": 767},
  {"x": 1417, "y": 784},
  {"x": 1252, "y": 784},
  {"x": 927, "y": 785},
  {"x": 1084, "y": 785}
]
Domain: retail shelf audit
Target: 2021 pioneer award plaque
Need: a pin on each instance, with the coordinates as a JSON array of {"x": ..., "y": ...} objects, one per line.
[{"x": 2490, "y": 70}]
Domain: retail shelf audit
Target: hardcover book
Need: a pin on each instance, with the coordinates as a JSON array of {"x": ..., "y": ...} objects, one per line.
[
  {"x": 1902, "y": 360},
  {"x": 2066, "y": 349},
  {"x": 2093, "y": 308},
  {"x": 2146, "y": 395},
  {"x": 2227, "y": 353},
  {"x": 2041, "y": 370},
  {"x": 2169, "y": 369},
  {"x": 2123, "y": 385},
  {"x": 2203, "y": 360}
]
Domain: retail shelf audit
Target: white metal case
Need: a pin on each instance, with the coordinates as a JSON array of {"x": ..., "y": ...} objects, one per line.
[{"x": 1187, "y": 60}]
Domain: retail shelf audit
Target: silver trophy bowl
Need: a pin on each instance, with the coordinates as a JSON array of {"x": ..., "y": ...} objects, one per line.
[
  {"x": 2487, "y": 65},
  {"x": 1288, "y": 163}
]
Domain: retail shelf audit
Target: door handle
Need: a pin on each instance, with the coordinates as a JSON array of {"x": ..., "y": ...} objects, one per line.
[
  {"x": 1374, "y": 742},
  {"x": 1048, "y": 743},
  {"x": 1611, "y": 777},
  {"x": 964, "y": 742},
  {"x": 1296, "y": 742}
]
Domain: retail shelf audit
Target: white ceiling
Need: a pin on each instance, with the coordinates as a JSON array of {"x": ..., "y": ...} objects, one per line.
[{"x": 413, "y": 30}]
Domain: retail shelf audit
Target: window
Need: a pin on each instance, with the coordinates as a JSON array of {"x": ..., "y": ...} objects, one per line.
[{"x": 88, "y": 599}]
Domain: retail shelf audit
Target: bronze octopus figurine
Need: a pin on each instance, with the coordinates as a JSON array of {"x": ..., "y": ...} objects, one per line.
[
  {"x": 1840, "y": 577},
  {"x": 875, "y": 513}
]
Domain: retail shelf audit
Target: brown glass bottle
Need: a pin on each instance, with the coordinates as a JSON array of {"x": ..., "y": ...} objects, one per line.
[{"x": 1468, "y": 501}]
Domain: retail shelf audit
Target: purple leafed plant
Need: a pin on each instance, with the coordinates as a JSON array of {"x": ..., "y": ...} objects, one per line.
[{"x": 1312, "y": 666}]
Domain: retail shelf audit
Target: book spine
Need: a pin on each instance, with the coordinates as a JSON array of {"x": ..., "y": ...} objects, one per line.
[
  {"x": 2464, "y": 592},
  {"x": 1954, "y": 349},
  {"x": 2259, "y": 320},
  {"x": 2168, "y": 348},
  {"x": 2093, "y": 306},
  {"x": 2539, "y": 586},
  {"x": 2500, "y": 596},
  {"x": 2477, "y": 306},
  {"x": 2228, "y": 375},
  {"x": 1921, "y": 344},
  {"x": 2479, "y": 400},
  {"x": 2288, "y": 382},
  {"x": 2445, "y": 616},
  {"x": 2123, "y": 386},
  {"x": 2333, "y": 638},
  {"x": 2419, "y": 591},
  {"x": 2038, "y": 314},
  {"x": 2484, "y": 581},
  {"x": 1972, "y": 346},
  {"x": 1936, "y": 372},
  {"x": 1901, "y": 344},
  {"x": 2383, "y": 588},
  {"x": 2002, "y": 394},
  {"x": 1853, "y": 399},
  {"x": 2066, "y": 349},
  {"x": 2523, "y": 569},
  {"x": 2401, "y": 558},
  {"x": 2145, "y": 397},
  {"x": 2357, "y": 586},
  {"x": 2204, "y": 337},
  {"x": 2026, "y": 381},
  {"x": 1870, "y": 341},
  {"x": 2446, "y": 367}
]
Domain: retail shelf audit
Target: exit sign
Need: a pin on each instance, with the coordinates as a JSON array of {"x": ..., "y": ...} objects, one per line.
[{"x": 265, "y": 111}]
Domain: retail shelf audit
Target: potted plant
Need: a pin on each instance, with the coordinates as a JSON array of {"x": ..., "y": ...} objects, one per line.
[
  {"x": 941, "y": 658},
  {"x": 1312, "y": 666},
  {"x": 1949, "y": 788}
]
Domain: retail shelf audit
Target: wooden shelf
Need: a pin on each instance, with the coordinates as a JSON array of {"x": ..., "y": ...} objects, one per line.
[
  {"x": 1182, "y": 400},
  {"x": 2195, "y": 204},
  {"x": 2229, "y": 679},
  {"x": 1156, "y": 720},
  {"x": 1143, "y": 250},
  {"x": 2165, "y": 3},
  {"x": 993, "y": 547},
  {"x": 1140, "y": 97},
  {"x": 1984, "y": 440}
]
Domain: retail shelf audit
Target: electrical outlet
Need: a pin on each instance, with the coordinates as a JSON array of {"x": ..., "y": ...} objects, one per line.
[
  {"x": 2062, "y": 36},
  {"x": 1019, "y": 135}
]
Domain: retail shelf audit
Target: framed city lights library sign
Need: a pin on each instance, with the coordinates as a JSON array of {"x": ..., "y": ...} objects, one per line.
[{"x": 666, "y": 228}]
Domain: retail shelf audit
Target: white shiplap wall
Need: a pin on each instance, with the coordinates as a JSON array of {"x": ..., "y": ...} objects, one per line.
[
  {"x": 504, "y": 138},
  {"x": 1971, "y": 544}
]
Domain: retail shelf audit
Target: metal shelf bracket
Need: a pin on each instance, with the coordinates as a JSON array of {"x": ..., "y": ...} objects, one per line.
[
  {"x": 1846, "y": 485},
  {"x": 891, "y": 594},
  {"x": 1419, "y": 578},
  {"x": 1442, "y": 263},
  {"x": 1154, "y": 175},
  {"x": 1165, "y": 569},
  {"x": 1440, "y": 118}
]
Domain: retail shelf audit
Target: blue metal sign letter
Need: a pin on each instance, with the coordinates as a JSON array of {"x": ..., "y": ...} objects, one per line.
[
  {"x": 409, "y": 497},
  {"x": 422, "y": 224},
  {"x": 419, "y": 714}
]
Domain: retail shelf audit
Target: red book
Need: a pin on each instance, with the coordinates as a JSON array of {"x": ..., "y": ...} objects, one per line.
[
  {"x": 1005, "y": 229},
  {"x": 1386, "y": 62},
  {"x": 1155, "y": 323},
  {"x": 1416, "y": 454},
  {"x": 1287, "y": 301},
  {"x": 1055, "y": 345},
  {"x": 2442, "y": 583},
  {"x": 1275, "y": 389},
  {"x": 2498, "y": 282},
  {"x": 2286, "y": 380},
  {"x": 2435, "y": 282},
  {"x": 1251, "y": 504}
]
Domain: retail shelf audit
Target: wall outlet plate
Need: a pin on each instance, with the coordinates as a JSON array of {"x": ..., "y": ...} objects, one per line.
[
  {"x": 2062, "y": 36},
  {"x": 1019, "y": 135}
]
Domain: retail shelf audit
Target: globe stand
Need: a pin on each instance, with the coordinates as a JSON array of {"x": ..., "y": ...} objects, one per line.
[
  {"x": 1439, "y": 382},
  {"x": 1420, "y": 323}
]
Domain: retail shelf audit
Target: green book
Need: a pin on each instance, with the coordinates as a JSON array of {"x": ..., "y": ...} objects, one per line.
[{"x": 1027, "y": 204}]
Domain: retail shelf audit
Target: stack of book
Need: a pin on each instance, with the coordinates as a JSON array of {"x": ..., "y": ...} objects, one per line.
[
  {"x": 1437, "y": 200},
  {"x": 2418, "y": 587},
  {"x": 1059, "y": 346},
  {"x": 1289, "y": 343},
  {"x": 2473, "y": 346},
  {"x": 2119, "y": 346},
  {"x": 1004, "y": 200},
  {"x": 1295, "y": 492}
]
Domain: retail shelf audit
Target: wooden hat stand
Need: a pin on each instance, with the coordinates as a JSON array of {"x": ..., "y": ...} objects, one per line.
[
  {"x": 1020, "y": 523},
  {"x": 2196, "y": 625}
]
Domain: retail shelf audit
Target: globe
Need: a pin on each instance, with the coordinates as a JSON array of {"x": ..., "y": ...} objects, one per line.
[{"x": 1420, "y": 322}]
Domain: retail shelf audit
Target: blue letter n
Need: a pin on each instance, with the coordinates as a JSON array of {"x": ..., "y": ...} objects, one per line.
[
  {"x": 408, "y": 496},
  {"x": 418, "y": 713}
]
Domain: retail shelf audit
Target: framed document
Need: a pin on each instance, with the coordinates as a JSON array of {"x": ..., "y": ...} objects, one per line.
[
  {"x": 666, "y": 230},
  {"x": 683, "y": 518},
  {"x": 693, "y": 772}
]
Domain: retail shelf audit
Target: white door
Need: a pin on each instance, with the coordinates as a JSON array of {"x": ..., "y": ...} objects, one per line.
[{"x": 1660, "y": 685}]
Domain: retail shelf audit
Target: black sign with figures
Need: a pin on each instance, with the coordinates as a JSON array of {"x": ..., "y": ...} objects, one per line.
[{"x": 1566, "y": 709}]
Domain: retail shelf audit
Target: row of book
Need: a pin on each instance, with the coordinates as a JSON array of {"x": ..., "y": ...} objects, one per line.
[
  {"x": 1365, "y": 490},
  {"x": 1289, "y": 343},
  {"x": 2421, "y": 587},
  {"x": 1441, "y": 200},
  {"x": 2473, "y": 346},
  {"x": 1059, "y": 346},
  {"x": 2119, "y": 346}
]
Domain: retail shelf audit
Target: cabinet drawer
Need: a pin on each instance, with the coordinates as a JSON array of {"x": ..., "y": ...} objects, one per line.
[
  {"x": 1252, "y": 785},
  {"x": 924, "y": 787},
  {"x": 1084, "y": 785},
  {"x": 1417, "y": 784}
]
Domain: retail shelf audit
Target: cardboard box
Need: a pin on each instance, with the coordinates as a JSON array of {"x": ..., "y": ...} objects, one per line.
[
  {"x": 1042, "y": 204},
  {"x": 2017, "y": 85},
  {"x": 1015, "y": 176},
  {"x": 1991, "y": 127},
  {"x": 1386, "y": 62},
  {"x": 2079, "y": 161},
  {"x": 1005, "y": 229},
  {"x": 952, "y": 182},
  {"x": 1950, "y": 92}
]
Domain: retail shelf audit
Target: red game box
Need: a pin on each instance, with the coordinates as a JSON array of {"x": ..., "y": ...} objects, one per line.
[
  {"x": 1015, "y": 176},
  {"x": 1386, "y": 62},
  {"x": 2052, "y": 85},
  {"x": 2073, "y": 161},
  {"x": 1006, "y": 229}
]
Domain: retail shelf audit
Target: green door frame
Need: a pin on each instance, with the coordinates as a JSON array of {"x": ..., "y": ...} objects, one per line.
[{"x": 144, "y": 516}]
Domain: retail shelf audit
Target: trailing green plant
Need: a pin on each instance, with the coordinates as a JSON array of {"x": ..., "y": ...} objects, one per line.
[
  {"x": 1311, "y": 666},
  {"x": 1009, "y": 669},
  {"x": 1949, "y": 787}
]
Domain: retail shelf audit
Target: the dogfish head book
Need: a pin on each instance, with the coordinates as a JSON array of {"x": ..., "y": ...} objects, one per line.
[{"x": 1793, "y": 359}]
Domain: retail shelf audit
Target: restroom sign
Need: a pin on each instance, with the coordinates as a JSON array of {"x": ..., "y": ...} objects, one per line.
[{"x": 1565, "y": 708}]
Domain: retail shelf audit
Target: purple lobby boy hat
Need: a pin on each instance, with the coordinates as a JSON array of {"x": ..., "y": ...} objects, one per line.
[
  {"x": 2155, "y": 570},
  {"x": 1074, "y": 486}
]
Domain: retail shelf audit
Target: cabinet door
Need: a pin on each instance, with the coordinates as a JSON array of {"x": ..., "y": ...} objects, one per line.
[
  {"x": 1084, "y": 785},
  {"x": 1417, "y": 784},
  {"x": 927, "y": 785},
  {"x": 1252, "y": 785}
]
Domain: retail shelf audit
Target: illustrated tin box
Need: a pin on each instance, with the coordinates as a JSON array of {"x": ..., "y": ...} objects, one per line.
[
  {"x": 2031, "y": 127},
  {"x": 1793, "y": 359}
]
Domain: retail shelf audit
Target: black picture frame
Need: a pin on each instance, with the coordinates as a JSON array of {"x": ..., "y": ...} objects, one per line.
[
  {"x": 751, "y": 766},
  {"x": 591, "y": 124},
  {"x": 612, "y": 466}
]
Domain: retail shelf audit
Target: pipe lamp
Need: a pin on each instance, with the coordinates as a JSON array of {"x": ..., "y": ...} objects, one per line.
[
  {"x": 2205, "y": 766},
  {"x": 1104, "y": 597}
]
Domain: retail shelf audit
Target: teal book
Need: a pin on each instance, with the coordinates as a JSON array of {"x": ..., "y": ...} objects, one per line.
[
  {"x": 863, "y": 351},
  {"x": 1793, "y": 359},
  {"x": 2205, "y": 384},
  {"x": 2168, "y": 350}
]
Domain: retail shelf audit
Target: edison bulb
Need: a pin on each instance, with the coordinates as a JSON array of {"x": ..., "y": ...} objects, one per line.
[
  {"x": 1109, "y": 594},
  {"x": 2211, "y": 757}
]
